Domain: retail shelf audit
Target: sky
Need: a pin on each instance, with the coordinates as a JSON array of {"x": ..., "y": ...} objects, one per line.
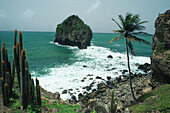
[{"x": 45, "y": 15}]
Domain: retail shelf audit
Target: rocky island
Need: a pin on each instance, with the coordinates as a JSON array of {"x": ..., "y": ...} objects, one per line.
[{"x": 73, "y": 32}]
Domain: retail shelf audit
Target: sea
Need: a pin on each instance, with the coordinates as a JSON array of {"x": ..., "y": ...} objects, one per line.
[{"x": 59, "y": 67}]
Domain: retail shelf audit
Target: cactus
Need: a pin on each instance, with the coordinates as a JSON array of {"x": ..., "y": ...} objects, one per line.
[
  {"x": 23, "y": 79},
  {"x": 113, "y": 104},
  {"x": 20, "y": 42},
  {"x": 27, "y": 84},
  {"x": 15, "y": 38},
  {"x": 6, "y": 94},
  {"x": 7, "y": 76},
  {"x": 32, "y": 90},
  {"x": 97, "y": 109},
  {"x": 38, "y": 93},
  {"x": 17, "y": 64}
]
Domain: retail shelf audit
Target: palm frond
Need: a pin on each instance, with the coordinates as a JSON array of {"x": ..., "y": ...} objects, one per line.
[
  {"x": 135, "y": 18},
  {"x": 118, "y": 31},
  {"x": 130, "y": 38},
  {"x": 140, "y": 40},
  {"x": 142, "y": 22},
  {"x": 117, "y": 24},
  {"x": 131, "y": 48},
  {"x": 122, "y": 20},
  {"x": 141, "y": 33},
  {"x": 115, "y": 39}
]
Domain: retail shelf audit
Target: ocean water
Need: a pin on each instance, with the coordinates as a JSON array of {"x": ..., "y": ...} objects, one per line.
[{"x": 61, "y": 67}]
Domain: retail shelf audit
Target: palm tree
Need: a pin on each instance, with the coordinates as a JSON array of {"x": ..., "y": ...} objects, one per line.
[{"x": 128, "y": 29}]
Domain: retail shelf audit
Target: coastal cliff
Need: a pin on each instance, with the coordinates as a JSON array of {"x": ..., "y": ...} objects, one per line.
[
  {"x": 160, "y": 59},
  {"x": 73, "y": 32}
]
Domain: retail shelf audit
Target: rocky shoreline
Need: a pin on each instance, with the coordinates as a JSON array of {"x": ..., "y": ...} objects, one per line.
[{"x": 101, "y": 96}]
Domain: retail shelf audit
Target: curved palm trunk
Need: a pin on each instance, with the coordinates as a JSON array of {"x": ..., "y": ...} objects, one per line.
[{"x": 130, "y": 79}]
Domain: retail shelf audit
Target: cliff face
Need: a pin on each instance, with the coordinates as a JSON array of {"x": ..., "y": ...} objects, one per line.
[
  {"x": 73, "y": 32},
  {"x": 160, "y": 59}
]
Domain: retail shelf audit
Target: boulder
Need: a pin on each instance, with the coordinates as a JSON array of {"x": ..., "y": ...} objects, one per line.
[
  {"x": 110, "y": 56},
  {"x": 160, "y": 59},
  {"x": 73, "y": 32}
]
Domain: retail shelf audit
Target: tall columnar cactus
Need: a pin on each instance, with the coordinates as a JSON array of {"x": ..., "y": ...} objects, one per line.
[
  {"x": 23, "y": 80},
  {"x": 17, "y": 64},
  {"x": 7, "y": 76},
  {"x": 113, "y": 104},
  {"x": 20, "y": 42},
  {"x": 32, "y": 90},
  {"x": 6, "y": 94},
  {"x": 15, "y": 38},
  {"x": 38, "y": 93}
]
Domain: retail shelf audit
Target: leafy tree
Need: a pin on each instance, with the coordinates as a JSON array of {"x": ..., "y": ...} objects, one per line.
[{"x": 130, "y": 26}]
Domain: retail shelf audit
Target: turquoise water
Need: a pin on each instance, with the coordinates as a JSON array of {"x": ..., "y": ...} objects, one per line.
[{"x": 55, "y": 64}]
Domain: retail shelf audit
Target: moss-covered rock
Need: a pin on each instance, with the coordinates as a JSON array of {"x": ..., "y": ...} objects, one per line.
[
  {"x": 72, "y": 31},
  {"x": 160, "y": 59}
]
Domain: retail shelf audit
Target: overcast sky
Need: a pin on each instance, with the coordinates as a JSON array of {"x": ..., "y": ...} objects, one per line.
[{"x": 44, "y": 15}]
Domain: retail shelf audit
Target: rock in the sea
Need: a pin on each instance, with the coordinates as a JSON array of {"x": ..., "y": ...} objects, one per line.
[
  {"x": 145, "y": 67},
  {"x": 73, "y": 32},
  {"x": 160, "y": 59},
  {"x": 109, "y": 56}
]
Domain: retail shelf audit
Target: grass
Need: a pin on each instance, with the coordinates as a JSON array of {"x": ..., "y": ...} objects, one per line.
[{"x": 157, "y": 99}]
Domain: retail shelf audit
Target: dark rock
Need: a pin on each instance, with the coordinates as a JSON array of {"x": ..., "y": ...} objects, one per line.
[
  {"x": 101, "y": 85},
  {"x": 113, "y": 68},
  {"x": 88, "y": 88},
  {"x": 90, "y": 78},
  {"x": 110, "y": 56},
  {"x": 84, "y": 66},
  {"x": 64, "y": 92},
  {"x": 74, "y": 99},
  {"x": 91, "y": 95},
  {"x": 73, "y": 32},
  {"x": 124, "y": 71},
  {"x": 145, "y": 67},
  {"x": 108, "y": 77},
  {"x": 98, "y": 77},
  {"x": 82, "y": 80},
  {"x": 90, "y": 75}
]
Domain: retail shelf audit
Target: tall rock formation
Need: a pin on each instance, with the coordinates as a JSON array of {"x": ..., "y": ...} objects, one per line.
[
  {"x": 160, "y": 59},
  {"x": 73, "y": 32}
]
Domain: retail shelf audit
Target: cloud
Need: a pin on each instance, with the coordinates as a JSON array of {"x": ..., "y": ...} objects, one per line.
[
  {"x": 28, "y": 14},
  {"x": 94, "y": 6}
]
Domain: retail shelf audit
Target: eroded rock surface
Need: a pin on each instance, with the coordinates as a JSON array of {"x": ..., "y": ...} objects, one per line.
[{"x": 160, "y": 59}]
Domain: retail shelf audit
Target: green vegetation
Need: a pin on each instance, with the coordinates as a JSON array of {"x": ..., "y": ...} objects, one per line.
[
  {"x": 161, "y": 48},
  {"x": 72, "y": 23},
  {"x": 113, "y": 104},
  {"x": 129, "y": 25},
  {"x": 157, "y": 99},
  {"x": 62, "y": 108}
]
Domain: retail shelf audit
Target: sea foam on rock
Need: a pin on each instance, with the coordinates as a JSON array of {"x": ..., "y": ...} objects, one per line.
[{"x": 73, "y": 32}]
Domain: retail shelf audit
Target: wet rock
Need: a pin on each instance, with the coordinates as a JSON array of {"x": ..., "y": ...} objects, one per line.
[
  {"x": 74, "y": 99},
  {"x": 124, "y": 71},
  {"x": 84, "y": 66},
  {"x": 90, "y": 75},
  {"x": 110, "y": 56},
  {"x": 145, "y": 67},
  {"x": 88, "y": 88},
  {"x": 108, "y": 77},
  {"x": 64, "y": 92},
  {"x": 99, "y": 77}
]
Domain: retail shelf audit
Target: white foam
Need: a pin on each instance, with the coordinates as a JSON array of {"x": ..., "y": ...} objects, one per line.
[{"x": 95, "y": 58}]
